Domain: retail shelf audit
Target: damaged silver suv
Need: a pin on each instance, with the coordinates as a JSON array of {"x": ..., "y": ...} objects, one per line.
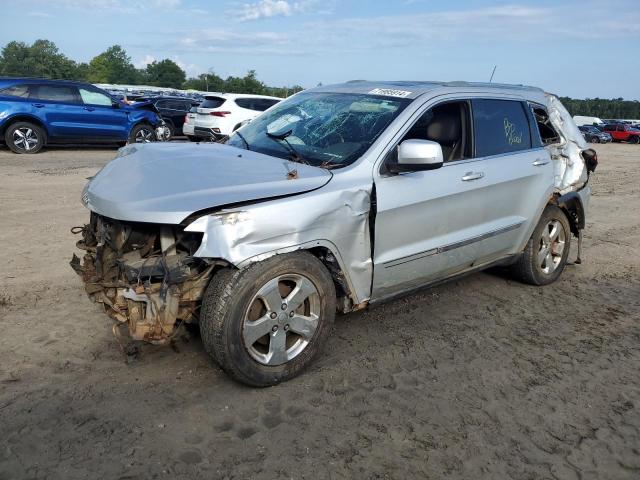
[{"x": 334, "y": 199}]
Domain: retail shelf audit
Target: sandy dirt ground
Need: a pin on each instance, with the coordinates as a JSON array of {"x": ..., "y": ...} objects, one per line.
[{"x": 480, "y": 378}]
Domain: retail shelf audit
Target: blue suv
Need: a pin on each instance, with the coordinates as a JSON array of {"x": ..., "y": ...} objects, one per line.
[{"x": 36, "y": 112}]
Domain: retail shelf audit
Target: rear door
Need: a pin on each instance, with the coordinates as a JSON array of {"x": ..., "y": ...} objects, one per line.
[
  {"x": 61, "y": 109},
  {"x": 103, "y": 121}
]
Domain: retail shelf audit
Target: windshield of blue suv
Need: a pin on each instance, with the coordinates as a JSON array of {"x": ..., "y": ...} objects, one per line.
[{"x": 321, "y": 129}]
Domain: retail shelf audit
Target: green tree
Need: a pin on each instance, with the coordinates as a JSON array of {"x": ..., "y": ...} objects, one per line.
[
  {"x": 165, "y": 73},
  {"x": 113, "y": 66},
  {"x": 40, "y": 59}
]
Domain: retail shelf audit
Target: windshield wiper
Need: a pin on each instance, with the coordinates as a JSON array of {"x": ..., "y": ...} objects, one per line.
[
  {"x": 282, "y": 137},
  {"x": 243, "y": 139}
]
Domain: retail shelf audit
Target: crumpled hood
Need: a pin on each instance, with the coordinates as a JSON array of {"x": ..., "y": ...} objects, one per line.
[{"x": 167, "y": 182}]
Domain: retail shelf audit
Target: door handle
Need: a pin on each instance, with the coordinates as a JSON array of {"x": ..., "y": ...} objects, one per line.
[
  {"x": 89, "y": 109},
  {"x": 472, "y": 176},
  {"x": 38, "y": 105},
  {"x": 539, "y": 162}
]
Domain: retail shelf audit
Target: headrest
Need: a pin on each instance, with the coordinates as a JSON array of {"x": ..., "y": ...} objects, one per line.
[{"x": 445, "y": 128}]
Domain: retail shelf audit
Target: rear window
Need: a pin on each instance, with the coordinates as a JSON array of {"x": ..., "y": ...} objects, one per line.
[
  {"x": 21, "y": 91},
  {"x": 212, "y": 102},
  {"x": 500, "y": 126},
  {"x": 56, "y": 93}
]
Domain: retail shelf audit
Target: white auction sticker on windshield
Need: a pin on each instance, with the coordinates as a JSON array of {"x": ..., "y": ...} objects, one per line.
[{"x": 389, "y": 92}]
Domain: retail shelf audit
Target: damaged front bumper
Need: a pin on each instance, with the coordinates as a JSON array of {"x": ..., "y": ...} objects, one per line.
[{"x": 144, "y": 275}]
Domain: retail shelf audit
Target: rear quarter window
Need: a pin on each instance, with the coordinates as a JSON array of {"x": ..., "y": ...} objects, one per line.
[
  {"x": 20, "y": 91},
  {"x": 500, "y": 126},
  {"x": 212, "y": 102},
  {"x": 248, "y": 103}
]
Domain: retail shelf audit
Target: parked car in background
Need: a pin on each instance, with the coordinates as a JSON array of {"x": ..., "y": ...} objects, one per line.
[
  {"x": 173, "y": 111},
  {"x": 593, "y": 134},
  {"x": 219, "y": 115},
  {"x": 35, "y": 112},
  {"x": 623, "y": 133},
  {"x": 339, "y": 197},
  {"x": 582, "y": 120},
  {"x": 188, "y": 127}
]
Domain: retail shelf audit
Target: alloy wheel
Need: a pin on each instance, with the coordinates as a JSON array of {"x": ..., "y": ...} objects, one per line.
[
  {"x": 552, "y": 243},
  {"x": 281, "y": 319},
  {"x": 144, "y": 135},
  {"x": 25, "y": 138}
]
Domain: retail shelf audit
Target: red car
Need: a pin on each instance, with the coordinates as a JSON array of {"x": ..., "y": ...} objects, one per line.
[{"x": 623, "y": 133}]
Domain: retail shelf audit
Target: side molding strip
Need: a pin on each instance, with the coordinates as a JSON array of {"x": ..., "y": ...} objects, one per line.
[{"x": 451, "y": 246}]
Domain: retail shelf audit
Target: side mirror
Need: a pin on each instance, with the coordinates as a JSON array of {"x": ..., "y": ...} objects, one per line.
[
  {"x": 417, "y": 155},
  {"x": 115, "y": 104}
]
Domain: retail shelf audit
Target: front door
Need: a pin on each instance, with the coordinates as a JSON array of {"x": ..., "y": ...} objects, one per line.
[
  {"x": 475, "y": 209},
  {"x": 102, "y": 121}
]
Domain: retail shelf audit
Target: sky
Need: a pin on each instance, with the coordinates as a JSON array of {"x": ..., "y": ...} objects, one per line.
[{"x": 582, "y": 49}]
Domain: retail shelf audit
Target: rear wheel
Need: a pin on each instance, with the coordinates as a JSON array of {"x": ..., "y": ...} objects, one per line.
[
  {"x": 24, "y": 137},
  {"x": 545, "y": 255},
  {"x": 264, "y": 324},
  {"x": 142, "y": 133}
]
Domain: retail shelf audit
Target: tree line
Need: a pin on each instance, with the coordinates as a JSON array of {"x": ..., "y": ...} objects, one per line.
[
  {"x": 42, "y": 59},
  {"x": 616, "y": 108}
]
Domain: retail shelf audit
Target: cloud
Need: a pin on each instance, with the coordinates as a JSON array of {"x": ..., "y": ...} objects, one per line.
[
  {"x": 272, "y": 8},
  {"x": 110, "y": 6},
  {"x": 144, "y": 61}
]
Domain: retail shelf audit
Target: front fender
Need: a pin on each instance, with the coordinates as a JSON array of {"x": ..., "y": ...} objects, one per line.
[{"x": 336, "y": 220}]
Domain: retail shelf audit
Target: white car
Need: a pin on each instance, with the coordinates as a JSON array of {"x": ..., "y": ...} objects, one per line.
[
  {"x": 188, "y": 127},
  {"x": 219, "y": 115}
]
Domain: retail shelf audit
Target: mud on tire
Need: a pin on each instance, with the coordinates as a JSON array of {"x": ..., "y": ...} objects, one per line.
[{"x": 236, "y": 301}]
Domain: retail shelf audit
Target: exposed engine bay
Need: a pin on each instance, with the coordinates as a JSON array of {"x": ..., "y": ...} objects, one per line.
[{"x": 145, "y": 275}]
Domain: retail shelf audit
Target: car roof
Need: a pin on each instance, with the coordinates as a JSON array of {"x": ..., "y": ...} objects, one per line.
[
  {"x": 45, "y": 81},
  {"x": 414, "y": 89}
]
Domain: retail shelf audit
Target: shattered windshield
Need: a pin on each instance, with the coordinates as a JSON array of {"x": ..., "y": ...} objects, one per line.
[{"x": 321, "y": 129}]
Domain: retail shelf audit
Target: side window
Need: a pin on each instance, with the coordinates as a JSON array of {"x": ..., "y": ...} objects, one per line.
[
  {"x": 448, "y": 124},
  {"x": 21, "y": 91},
  {"x": 91, "y": 97},
  {"x": 500, "y": 126},
  {"x": 56, "y": 93},
  {"x": 548, "y": 134}
]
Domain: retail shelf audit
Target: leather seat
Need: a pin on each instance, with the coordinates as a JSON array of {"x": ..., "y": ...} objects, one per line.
[{"x": 446, "y": 129}]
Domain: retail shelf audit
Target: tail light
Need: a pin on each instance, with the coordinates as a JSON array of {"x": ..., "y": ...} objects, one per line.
[
  {"x": 219, "y": 114},
  {"x": 186, "y": 119}
]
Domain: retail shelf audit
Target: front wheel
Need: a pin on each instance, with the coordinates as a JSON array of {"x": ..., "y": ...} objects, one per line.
[
  {"x": 634, "y": 140},
  {"x": 24, "y": 137},
  {"x": 142, "y": 133},
  {"x": 545, "y": 255},
  {"x": 264, "y": 324}
]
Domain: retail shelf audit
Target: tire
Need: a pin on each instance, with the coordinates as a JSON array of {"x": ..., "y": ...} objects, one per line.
[
  {"x": 595, "y": 140},
  {"x": 194, "y": 139},
  {"x": 635, "y": 140},
  {"x": 233, "y": 308},
  {"x": 142, "y": 133},
  {"x": 172, "y": 130},
  {"x": 25, "y": 137},
  {"x": 527, "y": 268}
]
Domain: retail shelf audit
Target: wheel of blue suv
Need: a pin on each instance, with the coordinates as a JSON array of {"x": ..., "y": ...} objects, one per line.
[
  {"x": 265, "y": 323},
  {"x": 24, "y": 137},
  {"x": 142, "y": 133},
  {"x": 545, "y": 256}
]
